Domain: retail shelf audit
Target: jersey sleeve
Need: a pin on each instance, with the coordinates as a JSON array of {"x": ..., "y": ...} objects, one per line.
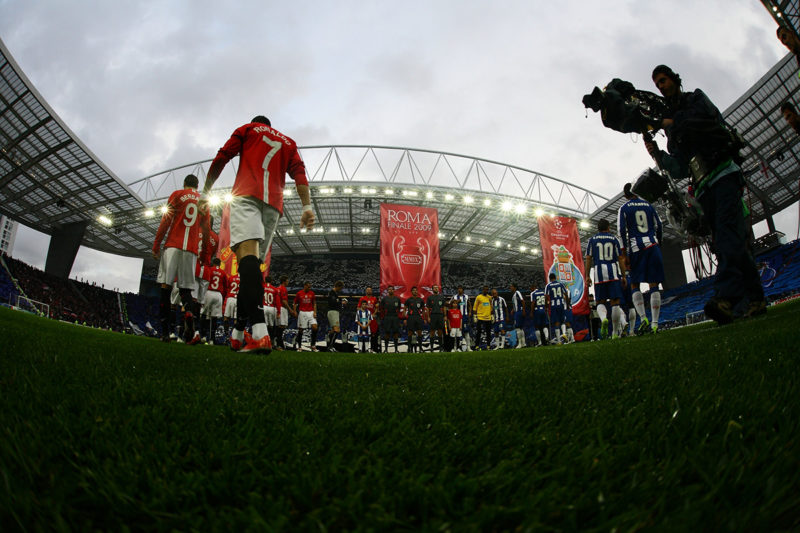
[
  {"x": 166, "y": 222},
  {"x": 297, "y": 168}
]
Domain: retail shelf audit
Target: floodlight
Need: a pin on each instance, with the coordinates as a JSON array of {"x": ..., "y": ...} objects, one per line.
[
  {"x": 538, "y": 211},
  {"x": 389, "y": 192},
  {"x": 497, "y": 244},
  {"x": 449, "y": 197},
  {"x": 348, "y": 190},
  {"x": 412, "y": 194},
  {"x": 429, "y": 195},
  {"x": 585, "y": 224},
  {"x": 468, "y": 238},
  {"x": 164, "y": 209},
  {"x": 487, "y": 203},
  {"x": 507, "y": 206},
  {"x": 468, "y": 199},
  {"x": 520, "y": 209},
  {"x": 213, "y": 200},
  {"x": 104, "y": 220},
  {"x": 149, "y": 213},
  {"x": 287, "y": 192},
  {"x": 523, "y": 248},
  {"x": 228, "y": 198},
  {"x": 334, "y": 230}
]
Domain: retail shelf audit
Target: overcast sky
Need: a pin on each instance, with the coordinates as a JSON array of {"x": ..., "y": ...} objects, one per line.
[{"x": 152, "y": 85}]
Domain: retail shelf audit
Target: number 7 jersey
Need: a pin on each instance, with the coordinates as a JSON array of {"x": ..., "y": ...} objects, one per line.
[
  {"x": 181, "y": 222},
  {"x": 266, "y": 156}
]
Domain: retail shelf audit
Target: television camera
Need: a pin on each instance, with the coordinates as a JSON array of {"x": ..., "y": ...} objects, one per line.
[{"x": 625, "y": 109}]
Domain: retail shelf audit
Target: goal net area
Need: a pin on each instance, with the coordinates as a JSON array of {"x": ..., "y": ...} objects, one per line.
[{"x": 32, "y": 306}]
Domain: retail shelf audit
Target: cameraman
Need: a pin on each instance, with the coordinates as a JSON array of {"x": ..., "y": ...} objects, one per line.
[{"x": 700, "y": 146}]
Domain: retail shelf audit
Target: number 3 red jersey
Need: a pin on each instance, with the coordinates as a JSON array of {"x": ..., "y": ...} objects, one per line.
[
  {"x": 182, "y": 219},
  {"x": 266, "y": 156}
]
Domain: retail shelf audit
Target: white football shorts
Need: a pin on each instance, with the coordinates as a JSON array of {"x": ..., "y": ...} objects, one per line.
[
  {"x": 305, "y": 319},
  {"x": 213, "y": 304},
  {"x": 177, "y": 263},
  {"x": 253, "y": 219}
]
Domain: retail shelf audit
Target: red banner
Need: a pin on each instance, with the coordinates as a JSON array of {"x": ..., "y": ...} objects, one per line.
[
  {"x": 409, "y": 249},
  {"x": 563, "y": 256}
]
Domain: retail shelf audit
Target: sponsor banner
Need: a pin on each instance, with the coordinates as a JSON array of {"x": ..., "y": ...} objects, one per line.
[
  {"x": 562, "y": 255},
  {"x": 409, "y": 249}
]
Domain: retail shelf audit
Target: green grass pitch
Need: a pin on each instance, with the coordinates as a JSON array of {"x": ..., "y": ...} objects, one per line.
[{"x": 696, "y": 429}]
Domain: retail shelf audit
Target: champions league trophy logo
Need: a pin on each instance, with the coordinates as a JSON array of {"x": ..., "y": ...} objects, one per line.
[
  {"x": 567, "y": 273},
  {"x": 411, "y": 261}
]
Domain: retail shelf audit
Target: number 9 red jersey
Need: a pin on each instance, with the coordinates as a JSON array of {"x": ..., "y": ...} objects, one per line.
[{"x": 182, "y": 219}]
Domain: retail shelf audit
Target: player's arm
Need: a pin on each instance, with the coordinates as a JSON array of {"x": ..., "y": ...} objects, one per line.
[
  {"x": 587, "y": 266},
  {"x": 225, "y": 154},
  {"x": 315, "y": 305},
  {"x": 166, "y": 222}
]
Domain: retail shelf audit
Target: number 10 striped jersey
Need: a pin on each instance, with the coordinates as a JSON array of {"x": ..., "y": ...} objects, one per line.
[{"x": 604, "y": 249}]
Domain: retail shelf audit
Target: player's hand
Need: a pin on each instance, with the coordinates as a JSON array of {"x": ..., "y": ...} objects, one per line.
[
  {"x": 624, "y": 282},
  {"x": 307, "y": 220},
  {"x": 156, "y": 254},
  {"x": 588, "y": 282}
]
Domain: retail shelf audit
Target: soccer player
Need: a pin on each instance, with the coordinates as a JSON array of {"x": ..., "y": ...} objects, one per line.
[
  {"x": 454, "y": 320},
  {"x": 557, "y": 297},
  {"x": 482, "y": 313},
  {"x": 415, "y": 308},
  {"x": 436, "y": 308},
  {"x": 283, "y": 322},
  {"x": 499, "y": 314},
  {"x": 229, "y": 315},
  {"x": 518, "y": 310},
  {"x": 372, "y": 306},
  {"x": 212, "y": 305},
  {"x": 334, "y": 308},
  {"x": 305, "y": 308},
  {"x": 181, "y": 225},
  {"x": 272, "y": 305},
  {"x": 265, "y": 157},
  {"x": 640, "y": 230},
  {"x": 363, "y": 319},
  {"x": 539, "y": 314},
  {"x": 603, "y": 253},
  {"x": 463, "y": 306},
  {"x": 390, "y": 307}
]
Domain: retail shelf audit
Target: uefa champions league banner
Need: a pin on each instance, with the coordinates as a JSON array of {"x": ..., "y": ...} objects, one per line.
[
  {"x": 562, "y": 255},
  {"x": 409, "y": 249}
]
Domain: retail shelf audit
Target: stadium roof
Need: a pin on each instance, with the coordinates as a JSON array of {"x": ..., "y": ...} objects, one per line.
[
  {"x": 487, "y": 209},
  {"x": 48, "y": 177}
]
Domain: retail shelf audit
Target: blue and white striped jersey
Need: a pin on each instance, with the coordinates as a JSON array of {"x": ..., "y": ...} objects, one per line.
[
  {"x": 517, "y": 302},
  {"x": 499, "y": 309},
  {"x": 639, "y": 225},
  {"x": 539, "y": 300},
  {"x": 363, "y": 317},
  {"x": 558, "y": 294},
  {"x": 463, "y": 304},
  {"x": 604, "y": 249}
]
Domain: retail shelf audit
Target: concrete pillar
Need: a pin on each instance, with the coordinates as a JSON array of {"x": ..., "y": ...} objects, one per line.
[{"x": 64, "y": 243}]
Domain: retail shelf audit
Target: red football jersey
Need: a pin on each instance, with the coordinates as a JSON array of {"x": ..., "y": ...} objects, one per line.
[
  {"x": 372, "y": 301},
  {"x": 210, "y": 246},
  {"x": 182, "y": 219},
  {"x": 266, "y": 156},
  {"x": 218, "y": 282},
  {"x": 305, "y": 300},
  {"x": 272, "y": 296},
  {"x": 233, "y": 286},
  {"x": 454, "y": 318},
  {"x": 284, "y": 295}
]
